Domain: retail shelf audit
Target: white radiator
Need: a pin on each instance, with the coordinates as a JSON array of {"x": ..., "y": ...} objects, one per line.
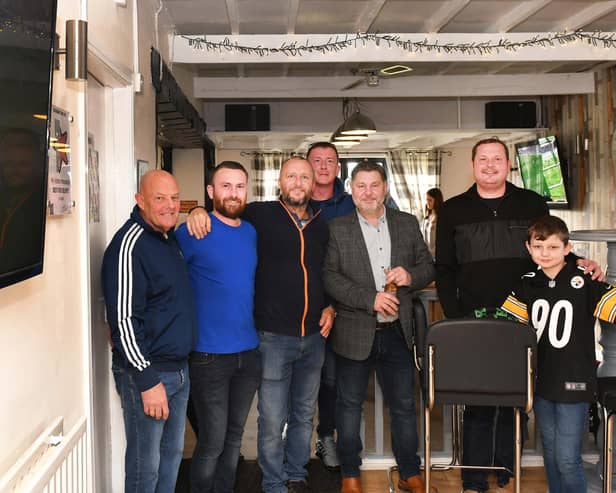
[{"x": 55, "y": 463}]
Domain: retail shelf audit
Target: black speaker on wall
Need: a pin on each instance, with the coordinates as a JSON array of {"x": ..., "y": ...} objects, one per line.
[
  {"x": 511, "y": 114},
  {"x": 247, "y": 117}
]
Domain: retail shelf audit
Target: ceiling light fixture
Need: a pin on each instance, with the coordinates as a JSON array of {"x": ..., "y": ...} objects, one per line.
[
  {"x": 358, "y": 124},
  {"x": 356, "y": 127},
  {"x": 395, "y": 70},
  {"x": 346, "y": 143},
  {"x": 350, "y": 137}
]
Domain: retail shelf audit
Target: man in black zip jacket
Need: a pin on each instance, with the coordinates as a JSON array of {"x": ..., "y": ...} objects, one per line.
[{"x": 480, "y": 254}]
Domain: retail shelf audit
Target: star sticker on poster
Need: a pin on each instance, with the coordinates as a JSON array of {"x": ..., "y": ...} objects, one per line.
[{"x": 61, "y": 147}]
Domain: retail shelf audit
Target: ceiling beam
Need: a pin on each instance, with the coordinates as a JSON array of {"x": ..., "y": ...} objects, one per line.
[
  {"x": 604, "y": 65},
  {"x": 367, "y": 16},
  {"x": 233, "y": 14},
  {"x": 443, "y": 16},
  {"x": 550, "y": 67},
  {"x": 369, "y": 52},
  {"x": 500, "y": 68},
  {"x": 586, "y": 16},
  {"x": 400, "y": 87},
  {"x": 517, "y": 15},
  {"x": 447, "y": 68},
  {"x": 292, "y": 17}
]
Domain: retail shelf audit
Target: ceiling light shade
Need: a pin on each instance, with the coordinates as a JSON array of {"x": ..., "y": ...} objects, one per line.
[
  {"x": 358, "y": 124},
  {"x": 340, "y": 137},
  {"x": 346, "y": 143}
]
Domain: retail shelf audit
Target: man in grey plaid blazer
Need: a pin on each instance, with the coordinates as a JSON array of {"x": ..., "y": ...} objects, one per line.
[{"x": 370, "y": 249}]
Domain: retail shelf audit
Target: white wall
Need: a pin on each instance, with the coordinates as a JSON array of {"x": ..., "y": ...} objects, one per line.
[
  {"x": 391, "y": 115},
  {"x": 188, "y": 171},
  {"x": 43, "y": 321},
  {"x": 456, "y": 171}
]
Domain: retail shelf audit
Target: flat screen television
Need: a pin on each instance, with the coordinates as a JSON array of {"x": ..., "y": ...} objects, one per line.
[
  {"x": 542, "y": 170},
  {"x": 27, "y": 32}
]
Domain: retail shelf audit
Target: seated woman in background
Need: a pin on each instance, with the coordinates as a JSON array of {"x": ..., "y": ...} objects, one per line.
[{"x": 434, "y": 199}]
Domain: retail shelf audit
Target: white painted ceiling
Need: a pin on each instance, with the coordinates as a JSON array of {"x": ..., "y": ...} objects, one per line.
[{"x": 229, "y": 75}]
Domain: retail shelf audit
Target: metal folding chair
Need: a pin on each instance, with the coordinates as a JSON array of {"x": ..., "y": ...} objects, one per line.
[
  {"x": 479, "y": 363},
  {"x": 420, "y": 327},
  {"x": 607, "y": 399}
]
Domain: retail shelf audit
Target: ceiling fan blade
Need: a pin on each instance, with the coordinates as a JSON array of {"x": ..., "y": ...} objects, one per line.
[{"x": 353, "y": 85}]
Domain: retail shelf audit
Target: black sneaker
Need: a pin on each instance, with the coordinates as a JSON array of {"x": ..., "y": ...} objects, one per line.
[
  {"x": 326, "y": 451},
  {"x": 298, "y": 487}
]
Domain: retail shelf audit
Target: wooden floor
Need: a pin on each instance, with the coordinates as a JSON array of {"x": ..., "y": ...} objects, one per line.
[
  {"x": 373, "y": 481},
  {"x": 533, "y": 481}
]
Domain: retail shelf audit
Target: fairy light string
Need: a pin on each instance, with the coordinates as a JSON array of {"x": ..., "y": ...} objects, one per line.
[{"x": 338, "y": 43}]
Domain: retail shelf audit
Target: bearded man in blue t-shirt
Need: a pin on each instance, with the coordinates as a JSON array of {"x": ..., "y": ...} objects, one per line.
[{"x": 225, "y": 367}]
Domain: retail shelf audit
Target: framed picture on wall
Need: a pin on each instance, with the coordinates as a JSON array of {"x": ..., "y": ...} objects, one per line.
[{"x": 142, "y": 168}]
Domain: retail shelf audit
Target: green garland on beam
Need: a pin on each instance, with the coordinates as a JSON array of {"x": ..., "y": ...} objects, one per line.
[{"x": 339, "y": 43}]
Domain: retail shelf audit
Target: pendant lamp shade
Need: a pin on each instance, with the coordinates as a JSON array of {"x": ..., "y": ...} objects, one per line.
[
  {"x": 340, "y": 137},
  {"x": 358, "y": 124},
  {"x": 345, "y": 143}
]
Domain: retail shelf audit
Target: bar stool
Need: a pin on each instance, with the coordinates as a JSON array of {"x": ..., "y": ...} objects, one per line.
[{"x": 500, "y": 373}]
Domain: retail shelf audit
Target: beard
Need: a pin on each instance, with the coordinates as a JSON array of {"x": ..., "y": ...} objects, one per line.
[
  {"x": 231, "y": 208},
  {"x": 369, "y": 207},
  {"x": 293, "y": 202}
]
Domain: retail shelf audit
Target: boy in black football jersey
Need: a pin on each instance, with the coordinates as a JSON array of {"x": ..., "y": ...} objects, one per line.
[{"x": 561, "y": 303}]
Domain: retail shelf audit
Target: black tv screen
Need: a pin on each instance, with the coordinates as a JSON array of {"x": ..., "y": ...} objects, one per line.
[
  {"x": 27, "y": 30},
  {"x": 542, "y": 170}
]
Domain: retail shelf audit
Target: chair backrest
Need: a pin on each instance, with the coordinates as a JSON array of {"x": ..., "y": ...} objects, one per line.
[
  {"x": 420, "y": 327},
  {"x": 481, "y": 362}
]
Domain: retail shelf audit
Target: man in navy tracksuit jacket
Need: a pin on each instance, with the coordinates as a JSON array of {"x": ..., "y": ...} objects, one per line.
[{"x": 151, "y": 315}]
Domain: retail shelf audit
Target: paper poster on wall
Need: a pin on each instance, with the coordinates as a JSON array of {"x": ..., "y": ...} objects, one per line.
[
  {"x": 142, "y": 168},
  {"x": 59, "y": 189},
  {"x": 94, "y": 204}
]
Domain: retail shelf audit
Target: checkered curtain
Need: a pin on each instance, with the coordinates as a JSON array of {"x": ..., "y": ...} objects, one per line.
[
  {"x": 413, "y": 173},
  {"x": 265, "y": 170}
]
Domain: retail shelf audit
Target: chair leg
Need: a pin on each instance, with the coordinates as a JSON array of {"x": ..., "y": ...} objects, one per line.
[
  {"x": 457, "y": 430},
  {"x": 518, "y": 450},
  {"x": 390, "y": 478},
  {"x": 427, "y": 467},
  {"x": 456, "y": 440},
  {"x": 608, "y": 438}
]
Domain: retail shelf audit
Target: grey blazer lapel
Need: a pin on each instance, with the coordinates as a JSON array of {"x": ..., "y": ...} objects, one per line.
[
  {"x": 394, "y": 236},
  {"x": 359, "y": 244}
]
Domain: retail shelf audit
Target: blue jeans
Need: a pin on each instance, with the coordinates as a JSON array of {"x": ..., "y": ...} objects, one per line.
[
  {"x": 327, "y": 395},
  {"x": 223, "y": 387},
  {"x": 488, "y": 440},
  {"x": 288, "y": 394},
  {"x": 394, "y": 370},
  {"x": 562, "y": 427},
  {"x": 153, "y": 446}
]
